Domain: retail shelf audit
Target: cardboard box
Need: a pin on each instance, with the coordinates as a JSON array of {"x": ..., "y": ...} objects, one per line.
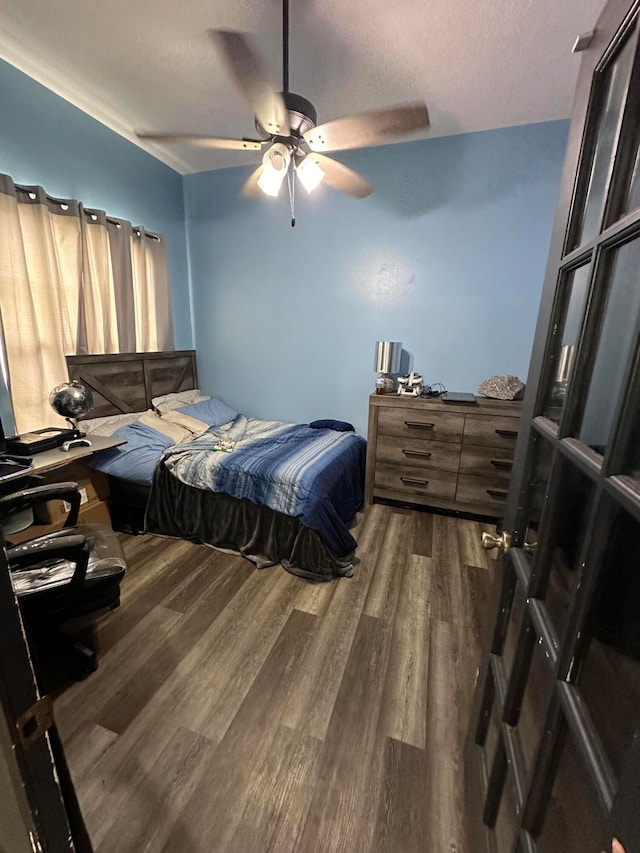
[
  {"x": 93, "y": 485},
  {"x": 96, "y": 512}
]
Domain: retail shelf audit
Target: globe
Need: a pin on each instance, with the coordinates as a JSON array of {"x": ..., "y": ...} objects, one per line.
[{"x": 71, "y": 399}]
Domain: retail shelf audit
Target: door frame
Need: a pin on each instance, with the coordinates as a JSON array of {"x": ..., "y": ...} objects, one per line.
[{"x": 46, "y": 801}]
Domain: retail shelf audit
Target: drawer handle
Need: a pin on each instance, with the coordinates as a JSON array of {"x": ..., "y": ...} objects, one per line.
[
  {"x": 502, "y": 463},
  {"x": 425, "y": 454},
  {"x": 507, "y": 433},
  {"x": 498, "y": 493},
  {"x": 419, "y": 425},
  {"x": 414, "y": 482}
]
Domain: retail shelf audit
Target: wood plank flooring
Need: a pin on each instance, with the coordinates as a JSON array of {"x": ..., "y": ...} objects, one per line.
[{"x": 245, "y": 710}]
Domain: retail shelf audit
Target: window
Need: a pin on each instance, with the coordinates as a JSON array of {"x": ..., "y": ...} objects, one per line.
[{"x": 73, "y": 280}]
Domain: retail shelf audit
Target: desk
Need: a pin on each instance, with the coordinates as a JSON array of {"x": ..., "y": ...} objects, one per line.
[
  {"x": 51, "y": 464},
  {"x": 49, "y": 460}
]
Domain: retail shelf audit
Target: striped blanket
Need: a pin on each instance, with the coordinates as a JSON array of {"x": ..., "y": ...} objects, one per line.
[{"x": 316, "y": 475}]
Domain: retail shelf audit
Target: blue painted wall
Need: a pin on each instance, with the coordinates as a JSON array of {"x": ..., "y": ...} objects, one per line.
[
  {"x": 45, "y": 140},
  {"x": 447, "y": 256}
]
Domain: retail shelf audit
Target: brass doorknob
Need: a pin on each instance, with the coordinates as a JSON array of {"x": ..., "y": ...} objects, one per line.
[{"x": 503, "y": 542}]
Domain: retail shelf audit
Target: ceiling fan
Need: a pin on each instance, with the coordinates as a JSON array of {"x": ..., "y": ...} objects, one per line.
[{"x": 287, "y": 127}]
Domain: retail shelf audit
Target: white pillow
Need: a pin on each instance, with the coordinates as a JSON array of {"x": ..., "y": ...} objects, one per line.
[
  {"x": 109, "y": 424},
  {"x": 193, "y": 425},
  {"x": 169, "y": 402},
  {"x": 178, "y": 434}
]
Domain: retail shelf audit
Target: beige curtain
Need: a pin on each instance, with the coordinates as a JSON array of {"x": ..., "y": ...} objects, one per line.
[
  {"x": 72, "y": 281},
  {"x": 121, "y": 265},
  {"x": 37, "y": 249},
  {"x": 99, "y": 331},
  {"x": 154, "y": 329}
]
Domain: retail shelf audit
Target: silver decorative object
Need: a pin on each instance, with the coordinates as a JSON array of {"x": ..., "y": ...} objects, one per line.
[
  {"x": 411, "y": 385},
  {"x": 502, "y": 388},
  {"x": 71, "y": 400}
]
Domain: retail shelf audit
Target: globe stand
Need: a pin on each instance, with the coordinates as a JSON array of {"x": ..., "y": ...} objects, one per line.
[{"x": 77, "y": 433}]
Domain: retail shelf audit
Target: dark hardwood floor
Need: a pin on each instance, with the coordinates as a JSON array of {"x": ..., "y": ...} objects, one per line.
[{"x": 245, "y": 710}]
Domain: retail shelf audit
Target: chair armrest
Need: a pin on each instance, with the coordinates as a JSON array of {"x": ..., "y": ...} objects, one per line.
[
  {"x": 27, "y": 498},
  {"x": 73, "y": 547}
]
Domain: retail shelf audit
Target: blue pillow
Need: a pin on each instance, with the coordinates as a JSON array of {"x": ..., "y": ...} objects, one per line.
[{"x": 213, "y": 412}]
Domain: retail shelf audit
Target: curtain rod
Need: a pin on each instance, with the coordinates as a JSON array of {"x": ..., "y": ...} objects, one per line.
[
  {"x": 64, "y": 204},
  {"x": 135, "y": 229}
]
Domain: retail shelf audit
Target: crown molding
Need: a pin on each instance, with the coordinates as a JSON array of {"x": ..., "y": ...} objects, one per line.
[{"x": 19, "y": 55}]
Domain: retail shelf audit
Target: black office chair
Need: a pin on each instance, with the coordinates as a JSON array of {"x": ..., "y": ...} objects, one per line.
[{"x": 61, "y": 575}]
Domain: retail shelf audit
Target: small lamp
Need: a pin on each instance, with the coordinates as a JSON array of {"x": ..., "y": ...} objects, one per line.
[{"x": 387, "y": 360}]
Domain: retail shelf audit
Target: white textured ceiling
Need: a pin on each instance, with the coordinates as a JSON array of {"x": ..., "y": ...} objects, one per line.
[{"x": 150, "y": 65}]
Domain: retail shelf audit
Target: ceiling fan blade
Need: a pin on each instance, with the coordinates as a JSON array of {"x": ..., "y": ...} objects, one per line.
[
  {"x": 263, "y": 97},
  {"x": 367, "y": 128},
  {"x": 250, "y": 188},
  {"x": 341, "y": 177},
  {"x": 203, "y": 141}
]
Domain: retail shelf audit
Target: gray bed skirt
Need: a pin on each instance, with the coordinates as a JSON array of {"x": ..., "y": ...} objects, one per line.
[{"x": 260, "y": 534}]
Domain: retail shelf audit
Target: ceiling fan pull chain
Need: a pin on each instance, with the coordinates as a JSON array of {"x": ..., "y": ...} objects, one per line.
[{"x": 292, "y": 194}]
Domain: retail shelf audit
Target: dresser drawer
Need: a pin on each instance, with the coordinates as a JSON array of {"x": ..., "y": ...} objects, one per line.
[
  {"x": 494, "y": 462},
  {"x": 421, "y": 453},
  {"x": 414, "y": 481},
  {"x": 490, "y": 430},
  {"x": 414, "y": 423},
  {"x": 481, "y": 489}
]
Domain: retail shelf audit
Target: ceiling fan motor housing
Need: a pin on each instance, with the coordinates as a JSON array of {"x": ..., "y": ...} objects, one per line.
[{"x": 302, "y": 116}]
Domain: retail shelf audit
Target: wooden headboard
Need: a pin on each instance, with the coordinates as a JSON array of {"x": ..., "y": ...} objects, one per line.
[{"x": 127, "y": 382}]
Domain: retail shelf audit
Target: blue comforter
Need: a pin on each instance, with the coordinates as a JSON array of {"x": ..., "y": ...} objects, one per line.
[
  {"x": 316, "y": 475},
  {"x": 136, "y": 460}
]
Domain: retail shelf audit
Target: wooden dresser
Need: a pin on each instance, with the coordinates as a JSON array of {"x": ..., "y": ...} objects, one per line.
[{"x": 452, "y": 456}]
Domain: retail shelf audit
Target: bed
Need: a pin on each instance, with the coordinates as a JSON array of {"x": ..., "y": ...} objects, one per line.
[{"x": 283, "y": 493}]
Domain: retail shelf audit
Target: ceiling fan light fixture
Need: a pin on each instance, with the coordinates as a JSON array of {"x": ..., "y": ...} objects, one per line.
[
  {"x": 287, "y": 125},
  {"x": 310, "y": 174},
  {"x": 276, "y": 163},
  {"x": 270, "y": 182}
]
